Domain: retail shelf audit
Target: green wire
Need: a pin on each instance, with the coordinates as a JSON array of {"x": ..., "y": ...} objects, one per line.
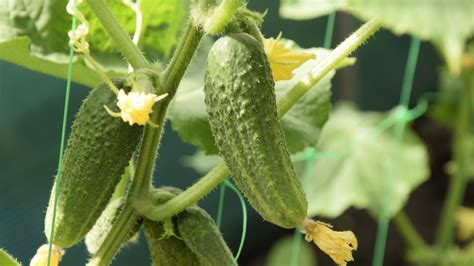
[
  {"x": 384, "y": 216},
  {"x": 244, "y": 217},
  {"x": 329, "y": 30},
  {"x": 221, "y": 205},
  {"x": 63, "y": 137}
]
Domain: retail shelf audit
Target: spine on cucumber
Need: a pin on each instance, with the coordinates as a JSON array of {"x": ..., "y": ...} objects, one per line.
[
  {"x": 97, "y": 152},
  {"x": 242, "y": 110}
]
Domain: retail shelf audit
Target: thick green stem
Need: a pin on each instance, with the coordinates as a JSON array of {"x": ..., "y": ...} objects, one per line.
[
  {"x": 344, "y": 49},
  {"x": 126, "y": 46},
  {"x": 218, "y": 173},
  {"x": 220, "y": 17},
  {"x": 408, "y": 232},
  {"x": 169, "y": 84},
  {"x": 462, "y": 146},
  {"x": 148, "y": 151},
  {"x": 187, "y": 198}
]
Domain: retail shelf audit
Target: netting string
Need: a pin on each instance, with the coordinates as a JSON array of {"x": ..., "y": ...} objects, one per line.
[
  {"x": 224, "y": 184},
  {"x": 221, "y": 205},
  {"x": 57, "y": 180},
  {"x": 399, "y": 130}
]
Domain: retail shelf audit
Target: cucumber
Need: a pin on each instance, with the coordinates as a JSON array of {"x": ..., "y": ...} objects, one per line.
[
  {"x": 166, "y": 248},
  {"x": 103, "y": 225},
  {"x": 201, "y": 235},
  {"x": 240, "y": 101},
  {"x": 97, "y": 152}
]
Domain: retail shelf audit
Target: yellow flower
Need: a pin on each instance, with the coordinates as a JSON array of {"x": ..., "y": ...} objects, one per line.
[
  {"x": 338, "y": 245},
  {"x": 41, "y": 256},
  {"x": 465, "y": 222},
  {"x": 283, "y": 60},
  {"x": 135, "y": 107}
]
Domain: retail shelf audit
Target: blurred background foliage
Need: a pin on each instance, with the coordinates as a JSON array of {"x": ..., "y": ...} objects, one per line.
[{"x": 31, "y": 106}]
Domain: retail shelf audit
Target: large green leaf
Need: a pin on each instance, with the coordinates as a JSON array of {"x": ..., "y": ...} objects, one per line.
[
  {"x": 354, "y": 166},
  {"x": 447, "y": 23},
  {"x": 17, "y": 51},
  {"x": 281, "y": 253},
  {"x": 302, "y": 124},
  {"x": 7, "y": 260},
  {"x": 34, "y": 35}
]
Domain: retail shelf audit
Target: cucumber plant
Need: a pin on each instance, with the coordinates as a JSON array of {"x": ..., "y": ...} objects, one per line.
[{"x": 104, "y": 190}]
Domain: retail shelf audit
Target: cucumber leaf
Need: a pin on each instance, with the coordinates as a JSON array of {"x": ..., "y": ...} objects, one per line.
[
  {"x": 17, "y": 51},
  {"x": 33, "y": 34},
  {"x": 446, "y": 23},
  {"x": 7, "y": 260},
  {"x": 352, "y": 167},
  {"x": 281, "y": 253},
  {"x": 302, "y": 124}
]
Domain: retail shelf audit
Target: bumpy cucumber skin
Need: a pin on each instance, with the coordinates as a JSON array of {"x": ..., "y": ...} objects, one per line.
[
  {"x": 201, "y": 235},
  {"x": 97, "y": 152},
  {"x": 96, "y": 236},
  {"x": 166, "y": 250},
  {"x": 242, "y": 110}
]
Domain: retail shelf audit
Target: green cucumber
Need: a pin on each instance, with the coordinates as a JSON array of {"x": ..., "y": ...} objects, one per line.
[
  {"x": 201, "y": 235},
  {"x": 167, "y": 250},
  {"x": 240, "y": 100},
  {"x": 166, "y": 247},
  {"x": 97, "y": 152}
]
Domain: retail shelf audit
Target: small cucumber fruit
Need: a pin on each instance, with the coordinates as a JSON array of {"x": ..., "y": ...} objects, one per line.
[
  {"x": 240, "y": 100},
  {"x": 103, "y": 225},
  {"x": 97, "y": 152},
  {"x": 166, "y": 247},
  {"x": 167, "y": 250},
  {"x": 201, "y": 235}
]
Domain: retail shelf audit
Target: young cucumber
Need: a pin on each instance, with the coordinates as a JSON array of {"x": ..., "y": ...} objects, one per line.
[
  {"x": 242, "y": 110},
  {"x": 167, "y": 250},
  {"x": 190, "y": 238},
  {"x": 97, "y": 152},
  {"x": 201, "y": 235}
]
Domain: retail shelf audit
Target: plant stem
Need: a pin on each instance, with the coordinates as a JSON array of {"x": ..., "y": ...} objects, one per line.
[
  {"x": 327, "y": 64},
  {"x": 220, "y": 17},
  {"x": 187, "y": 198},
  {"x": 408, "y": 231},
  {"x": 142, "y": 180},
  {"x": 462, "y": 145},
  {"x": 129, "y": 50},
  {"x": 219, "y": 173},
  {"x": 169, "y": 84}
]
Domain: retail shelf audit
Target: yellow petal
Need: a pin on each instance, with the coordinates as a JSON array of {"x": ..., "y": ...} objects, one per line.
[
  {"x": 135, "y": 107},
  {"x": 41, "y": 256},
  {"x": 338, "y": 245},
  {"x": 465, "y": 223},
  {"x": 283, "y": 60}
]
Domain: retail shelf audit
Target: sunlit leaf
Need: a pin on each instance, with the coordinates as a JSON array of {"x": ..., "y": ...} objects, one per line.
[
  {"x": 281, "y": 253},
  {"x": 447, "y": 23},
  {"x": 355, "y": 168},
  {"x": 33, "y": 34}
]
